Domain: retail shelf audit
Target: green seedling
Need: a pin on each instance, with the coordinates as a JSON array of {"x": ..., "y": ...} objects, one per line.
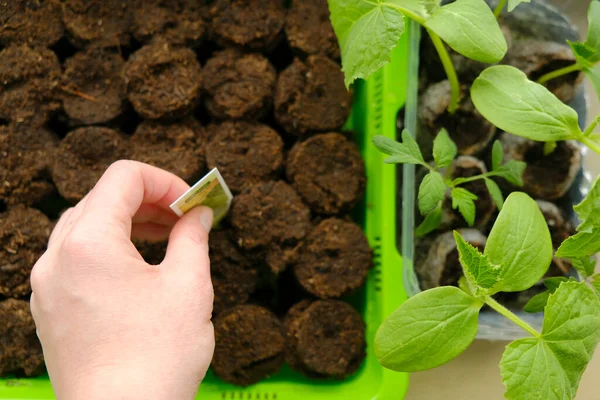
[
  {"x": 368, "y": 31},
  {"x": 434, "y": 186},
  {"x": 512, "y": 4}
]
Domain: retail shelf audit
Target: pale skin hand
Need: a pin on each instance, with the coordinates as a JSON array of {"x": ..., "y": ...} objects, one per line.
[{"x": 112, "y": 326}]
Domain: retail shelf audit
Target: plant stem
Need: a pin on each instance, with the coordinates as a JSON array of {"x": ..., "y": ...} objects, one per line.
[
  {"x": 499, "y": 8},
  {"x": 449, "y": 68},
  {"x": 590, "y": 128},
  {"x": 558, "y": 73},
  {"x": 510, "y": 315},
  {"x": 460, "y": 181},
  {"x": 589, "y": 143}
]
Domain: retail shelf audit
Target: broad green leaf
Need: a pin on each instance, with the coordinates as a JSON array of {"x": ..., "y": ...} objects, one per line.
[
  {"x": 554, "y": 283},
  {"x": 537, "y": 303},
  {"x": 465, "y": 202},
  {"x": 549, "y": 367},
  {"x": 431, "y": 222},
  {"x": 477, "y": 267},
  {"x": 520, "y": 242},
  {"x": 549, "y": 148},
  {"x": 407, "y": 152},
  {"x": 512, "y": 171},
  {"x": 497, "y": 155},
  {"x": 593, "y": 74},
  {"x": 428, "y": 330},
  {"x": 505, "y": 97},
  {"x": 596, "y": 284},
  {"x": 585, "y": 55},
  {"x": 495, "y": 192},
  {"x": 431, "y": 192},
  {"x": 444, "y": 149},
  {"x": 588, "y": 210},
  {"x": 469, "y": 28},
  {"x": 512, "y": 4},
  {"x": 583, "y": 244},
  {"x": 593, "y": 35},
  {"x": 584, "y": 265}
]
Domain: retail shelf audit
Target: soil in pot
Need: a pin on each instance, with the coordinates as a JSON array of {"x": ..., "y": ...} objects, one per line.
[
  {"x": 241, "y": 86},
  {"x": 324, "y": 339},
  {"x": 328, "y": 171},
  {"x": 311, "y": 97},
  {"x": 249, "y": 345},
  {"x": 94, "y": 89},
  {"x": 20, "y": 349},
  {"x": 334, "y": 259},
  {"x": 24, "y": 234},
  {"x": 246, "y": 153},
  {"x": 163, "y": 81},
  {"x": 33, "y": 22},
  {"x": 83, "y": 156},
  {"x": 309, "y": 31}
]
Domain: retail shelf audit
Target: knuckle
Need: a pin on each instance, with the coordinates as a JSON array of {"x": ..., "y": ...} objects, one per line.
[{"x": 76, "y": 242}]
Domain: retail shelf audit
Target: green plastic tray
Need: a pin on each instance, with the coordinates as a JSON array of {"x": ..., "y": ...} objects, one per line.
[{"x": 376, "y": 105}]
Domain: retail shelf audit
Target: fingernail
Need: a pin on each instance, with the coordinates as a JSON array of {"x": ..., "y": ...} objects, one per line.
[{"x": 206, "y": 218}]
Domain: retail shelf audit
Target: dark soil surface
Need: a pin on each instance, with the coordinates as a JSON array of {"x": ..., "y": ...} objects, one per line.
[
  {"x": 241, "y": 86},
  {"x": 103, "y": 22},
  {"x": 309, "y": 29},
  {"x": 32, "y": 22},
  {"x": 328, "y": 171},
  {"x": 324, "y": 339},
  {"x": 255, "y": 24},
  {"x": 234, "y": 277},
  {"x": 94, "y": 89},
  {"x": 177, "y": 147},
  {"x": 334, "y": 260},
  {"x": 178, "y": 22},
  {"x": 20, "y": 349},
  {"x": 24, "y": 234},
  {"x": 163, "y": 81},
  {"x": 271, "y": 218},
  {"x": 311, "y": 97},
  {"x": 84, "y": 156},
  {"x": 26, "y": 155},
  {"x": 152, "y": 252},
  {"x": 246, "y": 153},
  {"x": 249, "y": 345},
  {"x": 30, "y": 79}
]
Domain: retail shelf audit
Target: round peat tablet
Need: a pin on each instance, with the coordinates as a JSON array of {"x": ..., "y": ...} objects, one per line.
[
  {"x": 83, "y": 156},
  {"x": 328, "y": 171},
  {"x": 309, "y": 31},
  {"x": 163, "y": 81},
  {"x": 248, "y": 345},
  {"x": 33, "y": 22},
  {"x": 310, "y": 96},
  {"x": 24, "y": 234},
  {"x": 334, "y": 259},
  {"x": 246, "y": 153},
  {"x": 20, "y": 348},
  {"x": 241, "y": 86}
]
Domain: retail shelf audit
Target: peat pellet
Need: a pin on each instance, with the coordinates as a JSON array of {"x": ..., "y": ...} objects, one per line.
[
  {"x": 26, "y": 156},
  {"x": 334, "y": 259},
  {"x": 270, "y": 218},
  {"x": 442, "y": 267},
  {"x": 24, "y": 234},
  {"x": 233, "y": 275},
  {"x": 152, "y": 252},
  {"x": 310, "y": 96},
  {"x": 560, "y": 226},
  {"x": 324, "y": 339},
  {"x": 328, "y": 171},
  {"x": 246, "y": 153},
  {"x": 248, "y": 345},
  {"x": 84, "y": 155},
  {"x": 103, "y": 22},
  {"x": 94, "y": 90},
  {"x": 546, "y": 177},
  {"x": 179, "y": 22},
  {"x": 309, "y": 31},
  {"x": 467, "y": 128},
  {"x": 177, "y": 147},
  {"x": 241, "y": 86},
  {"x": 20, "y": 349},
  {"x": 254, "y": 24},
  {"x": 32, "y": 22},
  {"x": 29, "y": 79}
]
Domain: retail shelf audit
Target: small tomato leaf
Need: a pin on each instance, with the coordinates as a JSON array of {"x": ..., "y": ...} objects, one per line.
[
  {"x": 505, "y": 97},
  {"x": 428, "y": 330},
  {"x": 593, "y": 74},
  {"x": 483, "y": 276},
  {"x": 431, "y": 192},
  {"x": 583, "y": 244},
  {"x": 465, "y": 202},
  {"x": 497, "y": 155},
  {"x": 588, "y": 210},
  {"x": 444, "y": 149},
  {"x": 593, "y": 36},
  {"x": 459, "y": 22},
  {"x": 584, "y": 265},
  {"x": 495, "y": 192},
  {"x": 596, "y": 284},
  {"x": 537, "y": 303},
  {"x": 464, "y": 285},
  {"x": 520, "y": 242},
  {"x": 512, "y": 4},
  {"x": 407, "y": 152},
  {"x": 512, "y": 171},
  {"x": 431, "y": 222},
  {"x": 553, "y": 283},
  {"x": 585, "y": 55}
]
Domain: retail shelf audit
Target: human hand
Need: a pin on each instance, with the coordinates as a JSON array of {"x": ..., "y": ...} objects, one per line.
[{"x": 112, "y": 326}]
